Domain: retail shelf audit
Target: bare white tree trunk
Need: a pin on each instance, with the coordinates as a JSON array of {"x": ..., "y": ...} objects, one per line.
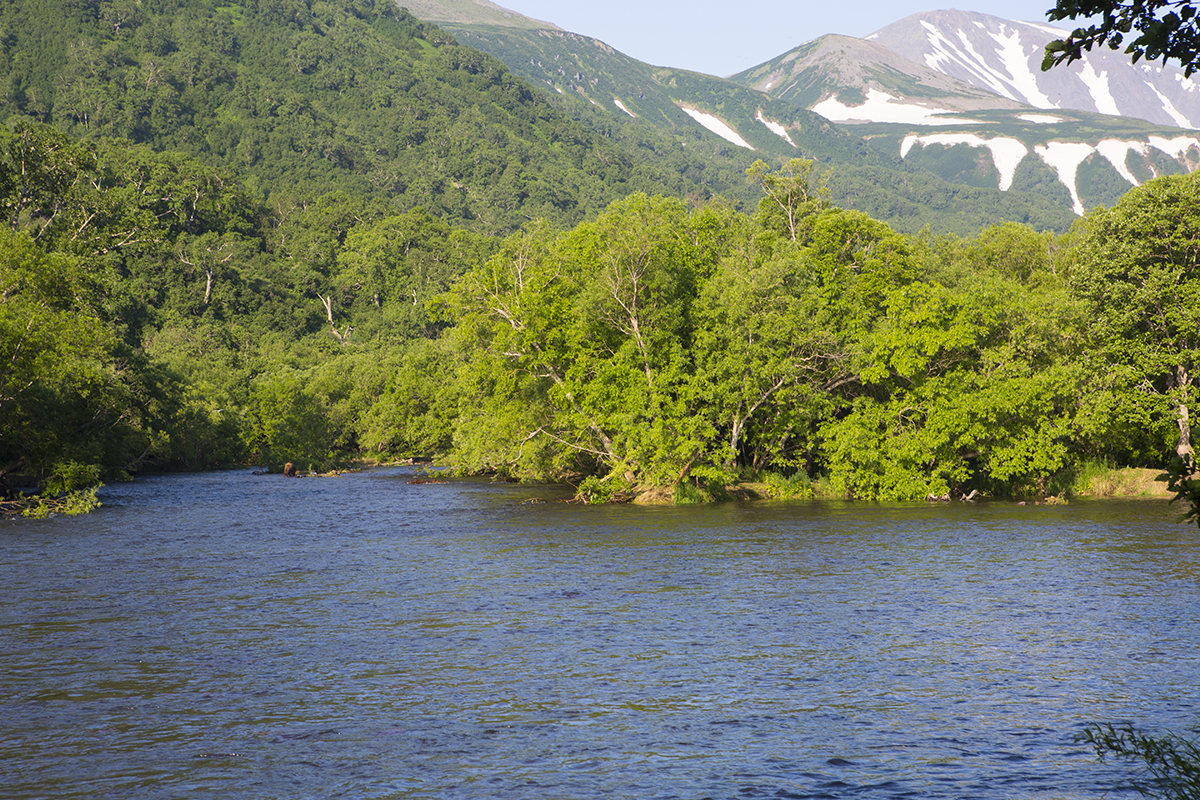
[
  {"x": 328, "y": 303},
  {"x": 1182, "y": 381}
]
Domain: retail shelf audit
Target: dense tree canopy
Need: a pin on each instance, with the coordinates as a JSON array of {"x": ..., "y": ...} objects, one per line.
[{"x": 156, "y": 313}]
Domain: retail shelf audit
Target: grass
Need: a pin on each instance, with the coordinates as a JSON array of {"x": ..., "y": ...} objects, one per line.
[{"x": 1100, "y": 479}]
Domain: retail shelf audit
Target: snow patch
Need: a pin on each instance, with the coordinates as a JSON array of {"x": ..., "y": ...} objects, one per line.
[
  {"x": 1014, "y": 79},
  {"x": 1039, "y": 119},
  {"x": 1097, "y": 84},
  {"x": 1006, "y": 153},
  {"x": 714, "y": 125},
  {"x": 1065, "y": 158},
  {"x": 883, "y": 107},
  {"x": 1057, "y": 33},
  {"x": 774, "y": 127},
  {"x": 1016, "y": 61},
  {"x": 1176, "y": 147},
  {"x": 1117, "y": 151},
  {"x": 1170, "y": 108},
  {"x": 621, "y": 106},
  {"x": 945, "y": 53}
]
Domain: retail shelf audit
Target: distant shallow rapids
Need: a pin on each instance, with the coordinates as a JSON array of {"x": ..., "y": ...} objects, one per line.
[{"x": 230, "y": 636}]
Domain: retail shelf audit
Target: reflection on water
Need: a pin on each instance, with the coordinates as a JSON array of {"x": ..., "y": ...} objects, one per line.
[{"x": 236, "y": 636}]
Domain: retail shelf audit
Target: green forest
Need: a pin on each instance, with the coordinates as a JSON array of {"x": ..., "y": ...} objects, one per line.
[{"x": 453, "y": 269}]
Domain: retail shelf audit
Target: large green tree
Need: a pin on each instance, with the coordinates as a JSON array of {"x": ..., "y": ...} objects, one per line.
[
  {"x": 580, "y": 345},
  {"x": 1137, "y": 268}
]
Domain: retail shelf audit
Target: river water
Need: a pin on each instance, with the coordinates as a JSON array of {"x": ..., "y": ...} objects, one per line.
[{"x": 225, "y": 635}]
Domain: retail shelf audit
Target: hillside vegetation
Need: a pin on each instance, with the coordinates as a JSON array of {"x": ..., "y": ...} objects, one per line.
[
  {"x": 578, "y": 73},
  {"x": 300, "y": 98},
  {"x": 163, "y": 310}
]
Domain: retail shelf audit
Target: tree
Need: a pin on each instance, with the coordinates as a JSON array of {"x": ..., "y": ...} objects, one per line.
[
  {"x": 1138, "y": 272},
  {"x": 764, "y": 353},
  {"x": 579, "y": 346},
  {"x": 1183, "y": 479},
  {"x": 789, "y": 195},
  {"x": 51, "y": 355},
  {"x": 1166, "y": 29}
]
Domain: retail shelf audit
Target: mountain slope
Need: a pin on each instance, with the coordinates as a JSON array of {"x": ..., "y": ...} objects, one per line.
[
  {"x": 955, "y": 92},
  {"x": 1005, "y": 57},
  {"x": 472, "y": 12},
  {"x": 852, "y": 71},
  {"x": 306, "y": 97},
  {"x": 735, "y": 123}
]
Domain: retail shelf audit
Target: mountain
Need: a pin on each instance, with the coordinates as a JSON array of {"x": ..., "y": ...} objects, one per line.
[
  {"x": 841, "y": 71},
  {"x": 734, "y": 124},
  {"x": 1005, "y": 57},
  {"x": 962, "y": 95},
  {"x": 300, "y": 98}
]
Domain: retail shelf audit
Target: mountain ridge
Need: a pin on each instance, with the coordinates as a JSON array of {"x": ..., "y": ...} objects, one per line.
[
  {"x": 905, "y": 109},
  {"x": 697, "y": 109},
  {"x": 1005, "y": 57},
  {"x": 472, "y": 12}
]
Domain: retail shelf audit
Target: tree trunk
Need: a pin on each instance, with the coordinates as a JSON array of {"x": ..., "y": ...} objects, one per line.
[
  {"x": 328, "y": 303},
  {"x": 1182, "y": 381},
  {"x": 735, "y": 439}
]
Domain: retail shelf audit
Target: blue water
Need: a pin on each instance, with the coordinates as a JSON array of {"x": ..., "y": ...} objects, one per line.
[{"x": 236, "y": 636}]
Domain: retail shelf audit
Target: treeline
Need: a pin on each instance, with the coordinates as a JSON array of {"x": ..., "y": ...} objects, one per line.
[
  {"x": 155, "y": 314},
  {"x": 303, "y": 97},
  {"x": 662, "y": 345}
]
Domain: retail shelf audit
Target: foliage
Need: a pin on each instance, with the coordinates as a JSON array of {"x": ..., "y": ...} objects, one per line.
[
  {"x": 1137, "y": 269},
  {"x": 1182, "y": 479},
  {"x": 1170, "y": 765},
  {"x": 157, "y": 313},
  {"x": 797, "y": 486},
  {"x": 71, "y": 504},
  {"x": 1166, "y": 29},
  {"x": 582, "y": 341}
]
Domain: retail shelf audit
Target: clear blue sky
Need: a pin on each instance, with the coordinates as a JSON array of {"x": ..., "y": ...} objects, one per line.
[{"x": 720, "y": 37}]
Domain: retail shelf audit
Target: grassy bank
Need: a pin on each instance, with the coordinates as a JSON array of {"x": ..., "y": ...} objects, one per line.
[{"x": 1100, "y": 480}]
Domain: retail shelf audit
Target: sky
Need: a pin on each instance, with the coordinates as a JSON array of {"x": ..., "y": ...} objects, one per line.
[{"x": 722, "y": 37}]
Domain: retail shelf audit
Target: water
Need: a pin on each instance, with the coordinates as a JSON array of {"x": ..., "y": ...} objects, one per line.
[{"x": 231, "y": 636}]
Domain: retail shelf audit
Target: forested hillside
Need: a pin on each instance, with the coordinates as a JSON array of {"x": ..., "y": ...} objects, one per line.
[
  {"x": 300, "y": 98},
  {"x": 160, "y": 310},
  {"x": 638, "y": 99}
]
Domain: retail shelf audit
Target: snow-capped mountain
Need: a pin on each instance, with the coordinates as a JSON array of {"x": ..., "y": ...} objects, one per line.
[
  {"x": 854, "y": 80},
  {"x": 1005, "y": 57},
  {"x": 837, "y": 69},
  {"x": 963, "y": 95},
  {"x": 954, "y": 95}
]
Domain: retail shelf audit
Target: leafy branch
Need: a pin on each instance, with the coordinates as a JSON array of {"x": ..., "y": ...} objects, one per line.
[{"x": 1170, "y": 764}]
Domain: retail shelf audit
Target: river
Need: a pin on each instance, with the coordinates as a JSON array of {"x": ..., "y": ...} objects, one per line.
[{"x": 237, "y": 636}]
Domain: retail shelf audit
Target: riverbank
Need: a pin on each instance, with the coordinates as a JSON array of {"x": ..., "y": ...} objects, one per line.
[
  {"x": 1110, "y": 482},
  {"x": 1091, "y": 481}
]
